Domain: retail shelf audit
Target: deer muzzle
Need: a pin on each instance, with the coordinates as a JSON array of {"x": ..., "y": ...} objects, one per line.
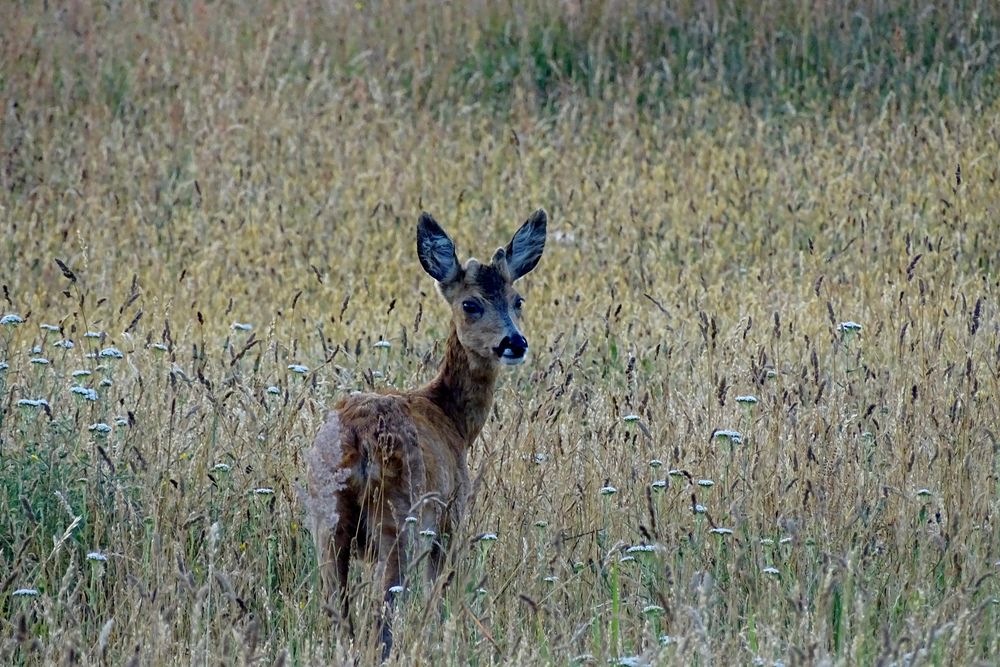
[{"x": 512, "y": 350}]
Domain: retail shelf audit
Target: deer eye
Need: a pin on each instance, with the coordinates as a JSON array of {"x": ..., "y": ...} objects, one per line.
[
  {"x": 518, "y": 302},
  {"x": 472, "y": 308}
]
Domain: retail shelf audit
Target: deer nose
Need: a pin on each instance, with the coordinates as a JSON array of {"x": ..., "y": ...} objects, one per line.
[
  {"x": 512, "y": 349},
  {"x": 517, "y": 345}
]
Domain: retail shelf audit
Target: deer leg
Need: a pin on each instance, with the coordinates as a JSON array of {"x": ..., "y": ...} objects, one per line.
[
  {"x": 343, "y": 539},
  {"x": 392, "y": 563}
]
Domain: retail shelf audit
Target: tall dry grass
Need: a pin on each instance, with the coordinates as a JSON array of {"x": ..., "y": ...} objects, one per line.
[{"x": 204, "y": 168}]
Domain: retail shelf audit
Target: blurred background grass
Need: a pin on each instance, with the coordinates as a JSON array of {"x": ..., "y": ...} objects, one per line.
[{"x": 727, "y": 182}]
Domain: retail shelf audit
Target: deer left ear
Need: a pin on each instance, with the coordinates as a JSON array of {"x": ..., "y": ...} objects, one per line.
[{"x": 525, "y": 249}]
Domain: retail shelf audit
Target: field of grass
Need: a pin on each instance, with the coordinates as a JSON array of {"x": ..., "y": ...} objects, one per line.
[{"x": 203, "y": 197}]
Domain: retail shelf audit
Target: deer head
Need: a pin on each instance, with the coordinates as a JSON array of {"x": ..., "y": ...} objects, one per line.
[{"x": 486, "y": 309}]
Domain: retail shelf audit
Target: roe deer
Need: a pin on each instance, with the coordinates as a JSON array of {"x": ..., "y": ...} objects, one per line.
[{"x": 381, "y": 458}]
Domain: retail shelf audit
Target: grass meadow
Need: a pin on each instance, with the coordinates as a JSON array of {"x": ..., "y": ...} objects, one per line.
[{"x": 208, "y": 215}]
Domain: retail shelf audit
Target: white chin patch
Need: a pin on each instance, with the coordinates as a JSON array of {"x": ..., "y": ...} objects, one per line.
[{"x": 512, "y": 361}]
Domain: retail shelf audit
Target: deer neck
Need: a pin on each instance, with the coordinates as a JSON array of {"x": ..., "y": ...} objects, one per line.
[{"x": 463, "y": 388}]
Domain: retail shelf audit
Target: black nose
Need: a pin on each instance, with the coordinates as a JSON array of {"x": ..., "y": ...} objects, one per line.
[{"x": 512, "y": 347}]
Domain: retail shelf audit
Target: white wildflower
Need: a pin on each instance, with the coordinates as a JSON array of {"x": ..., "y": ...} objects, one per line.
[
  {"x": 242, "y": 326},
  {"x": 159, "y": 347},
  {"x": 748, "y": 399},
  {"x": 773, "y": 571},
  {"x": 630, "y": 418},
  {"x": 734, "y": 437},
  {"x": 264, "y": 491},
  {"x": 428, "y": 533},
  {"x": 49, "y": 327},
  {"x": 641, "y": 549},
  {"x": 488, "y": 537},
  {"x": 111, "y": 353},
  {"x": 65, "y": 344},
  {"x": 97, "y": 556},
  {"x": 11, "y": 320},
  {"x": 274, "y": 390},
  {"x": 383, "y": 344},
  {"x": 722, "y": 531},
  {"x": 86, "y": 392},
  {"x": 849, "y": 326},
  {"x": 81, "y": 373},
  {"x": 659, "y": 485},
  {"x": 25, "y": 593},
  {"x": 93, "y": 334},
  {"x": 629, "y": 661},
  {"x": 33, "y": 403},
  {"x": 100, "y": 428},
  {"x": 699, "y": 508},
  {"x": 298, "y": 368},
  {"x": 655, "y": 463},
  {"x": 706, "y": 483},
  {"x": 40, "y": 361}
]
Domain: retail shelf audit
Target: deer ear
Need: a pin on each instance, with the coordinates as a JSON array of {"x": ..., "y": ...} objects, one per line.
[
  {"x": 436, "y": 250},
  {"x": 525, "y": 249}
]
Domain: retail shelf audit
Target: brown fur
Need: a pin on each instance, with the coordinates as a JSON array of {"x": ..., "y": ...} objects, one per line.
[{"x": 403, "y": 454}]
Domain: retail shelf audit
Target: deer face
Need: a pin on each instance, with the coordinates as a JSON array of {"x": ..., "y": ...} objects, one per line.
[{"x": 486, "y": 308}]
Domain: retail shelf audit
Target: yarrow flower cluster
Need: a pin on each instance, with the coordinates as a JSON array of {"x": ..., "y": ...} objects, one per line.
[
  {"x": 734, "y": 437},
  {"x": 86, "y": 392}
]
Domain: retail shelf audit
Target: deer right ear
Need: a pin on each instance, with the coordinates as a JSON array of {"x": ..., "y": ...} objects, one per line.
[{"x": 436, "y": 250}]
